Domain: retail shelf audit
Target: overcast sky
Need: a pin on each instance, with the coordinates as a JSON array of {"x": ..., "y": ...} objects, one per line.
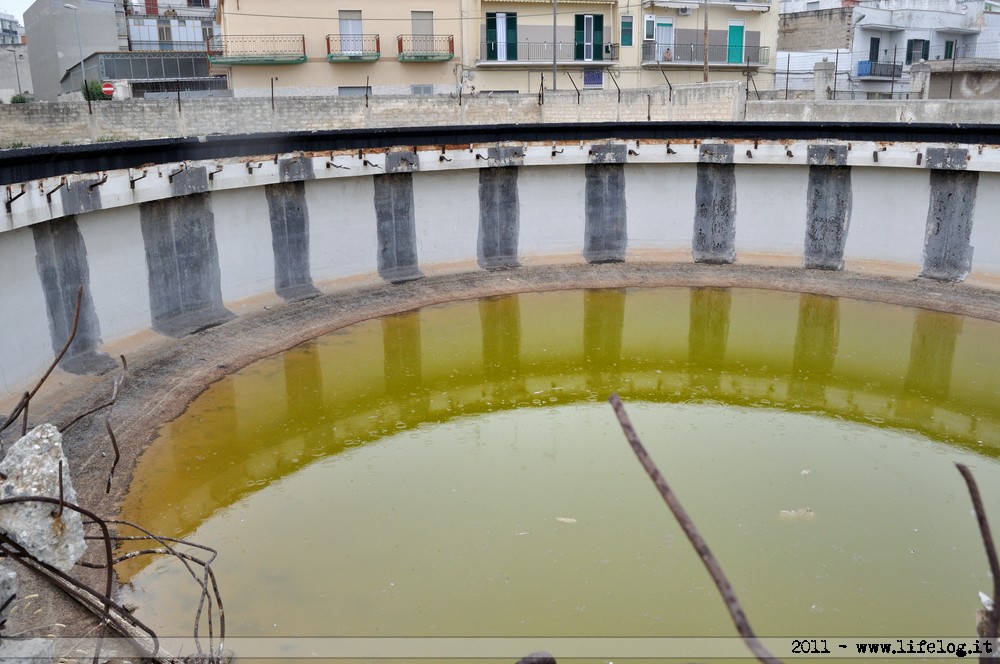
[{"x": 15, "y": 7}]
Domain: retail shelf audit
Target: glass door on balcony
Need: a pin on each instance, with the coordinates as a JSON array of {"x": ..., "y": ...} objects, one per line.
[
  {"x": 735, "y": 54},
  {"x": 589, "y": 30},
  {"x": 501, "y": 36},
  {"x": 423, "y": 30},
  {"x": 664, "y": 40},
  {"x": 350, "y": 32}
]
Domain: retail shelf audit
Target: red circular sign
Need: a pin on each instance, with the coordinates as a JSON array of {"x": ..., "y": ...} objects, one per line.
[{"x": 108, "y": 89}]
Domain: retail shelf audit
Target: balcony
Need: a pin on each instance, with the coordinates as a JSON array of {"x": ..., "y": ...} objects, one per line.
[
  {"x": 535, "y": 53},
  {"x": 144, "y": 45},
  {"x": 875, "y": 69},
  {"x": 353, "y": 48},
  {"x": 425, "y": 48},
  {"x": 257, "y": 50},
  {"x": 688, "y": 55}
]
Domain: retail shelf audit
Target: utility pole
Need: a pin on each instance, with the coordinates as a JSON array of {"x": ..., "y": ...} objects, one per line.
[
  {"x": 555, "y": 47},
  {"x": 705, "y": 42}
]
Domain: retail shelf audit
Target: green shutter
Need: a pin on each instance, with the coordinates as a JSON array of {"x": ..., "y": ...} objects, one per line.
[
  {"x": 925, "y": 52},
  {"x": 578, "y": 37},
  {"x": 491, "y": 36},
  {"x": 909, "y": 51},
  {"x": 949, "y": 50},
  {"x": 512, "y": 36},
  {"x": 598, "y": 37}
]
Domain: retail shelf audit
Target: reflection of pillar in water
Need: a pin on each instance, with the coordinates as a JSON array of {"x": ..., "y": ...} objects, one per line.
[
  {"x": 708, "y": 335},
  {"x": 401, "y": 349},
  {"x": 501, "y": 326},
  {"x": 303, "y": 385},
  {"x": 817, "y": 339},
  {"x": 932, "y": 352},
  {"x": 603, "y": 324}
]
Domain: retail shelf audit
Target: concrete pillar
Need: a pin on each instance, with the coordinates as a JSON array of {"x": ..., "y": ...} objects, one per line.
[
  {"x": 286, "y": 206},
  {"x": 715, "y": 205},
  {"x": 828, "y": 207},
  {"x": 920, "y": 80},
  {"x": 397, "y": 237},
  {"x": 823, "y": 75},
  {"x": 605, "y": 236},
  {"x": 182, "y": 263},
  {"x": 499, "y": 218},
  {"x": 947, "y": 248},
  {"x": 61, "y": 259}
]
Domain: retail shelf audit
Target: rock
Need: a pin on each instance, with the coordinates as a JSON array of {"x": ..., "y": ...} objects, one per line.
[
  {"x": 800, "y": 514},
  {"x": 32, "y": 469},
  {"x": 540, "y": 657}
]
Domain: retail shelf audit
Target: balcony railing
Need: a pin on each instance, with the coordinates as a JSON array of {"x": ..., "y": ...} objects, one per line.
[
  {"x": 538, "y": 52},
  {"x": 154, "y": 45},
  {"x": 694, "y": 54},
  {"x": 257, "y": 49},
  {"x": 425, "y": 48},
  {"x": 879, "y": 69},
  {"x": 353, "y": 48}
]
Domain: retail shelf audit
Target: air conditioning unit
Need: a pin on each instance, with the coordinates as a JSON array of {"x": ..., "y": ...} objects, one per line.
[{"x": 684, "y": 11}]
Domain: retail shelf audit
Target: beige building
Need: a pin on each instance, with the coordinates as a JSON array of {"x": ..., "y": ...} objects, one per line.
[{"x": 489, "y": 46}]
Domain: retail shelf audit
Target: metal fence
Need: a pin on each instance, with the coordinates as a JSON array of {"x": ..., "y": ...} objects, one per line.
[
  {"x": 493, "y": 51},
  {"x": 970, "y": 71},
  {"x": 680, "y": 53}
]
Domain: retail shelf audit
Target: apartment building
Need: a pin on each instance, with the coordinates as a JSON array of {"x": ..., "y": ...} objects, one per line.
[
  {"x": 874, "y": 43},
  {"x": 315, "y": 47},
  {"x": 489, "y": 46}
]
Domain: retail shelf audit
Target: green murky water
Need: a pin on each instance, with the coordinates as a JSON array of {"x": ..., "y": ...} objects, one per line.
[{"x": 456, "y": 471}]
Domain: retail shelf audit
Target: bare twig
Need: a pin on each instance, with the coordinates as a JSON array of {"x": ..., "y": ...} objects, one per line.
[
  {"x": 993, "y": 615},
  {"x": 711, "y": 564},
  {"x": 207, "y": 580},
  {"x": 107, "y": 421}
]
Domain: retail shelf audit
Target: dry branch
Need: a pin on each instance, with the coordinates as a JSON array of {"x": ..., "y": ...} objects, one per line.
[
  {"x": 993, "y": 614},
  {"x": 711, "y": 564}
]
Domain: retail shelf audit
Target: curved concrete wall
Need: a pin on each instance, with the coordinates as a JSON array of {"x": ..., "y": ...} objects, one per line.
[{"x": 176, "y": 246}]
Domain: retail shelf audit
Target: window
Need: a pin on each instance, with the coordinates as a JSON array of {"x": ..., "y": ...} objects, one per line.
[
  {"x": 197, "y": 3},
  {"x": 501, "y": 36},
  {"x": 164, "y": 34},
  {"x": 949, "y": 50},
  {"x": 424, "y": 89},
  {"x": 354, "y": 90},
  {"x": 873, "y": 47},
  {"x": 649, "y": 27},
  {"x": 626, "y": 30},
  {"x": 350, "y": 31},
  {"x": 589, "y": 31},
  {"x": 917, "y": 49},
  {"x": 423, "y": 31},
  {"x": 593, "y": 78}
]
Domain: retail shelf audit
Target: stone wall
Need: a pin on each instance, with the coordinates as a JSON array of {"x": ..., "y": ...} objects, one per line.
[
  {"x": 52, "y": 124},
  {"x": 815, "y": 30},
  {"x": 911, "y": 111}
]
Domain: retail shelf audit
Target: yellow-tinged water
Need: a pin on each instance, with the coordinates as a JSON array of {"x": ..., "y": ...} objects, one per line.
[{"x": 456, "y": 471}]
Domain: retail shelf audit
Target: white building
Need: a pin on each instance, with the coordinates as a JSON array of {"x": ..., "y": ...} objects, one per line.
[{"x": 874, "y": 42}]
